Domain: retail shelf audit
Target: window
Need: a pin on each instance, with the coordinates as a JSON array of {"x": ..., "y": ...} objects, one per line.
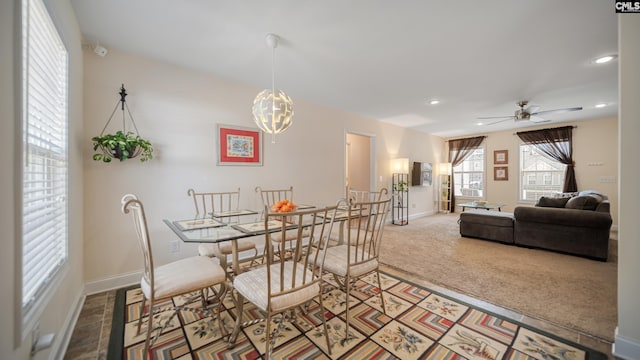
[
  {"x": 44, "y": 158},
  {"x": 539, "y": 175},
  {"x": 468, "y": 177}
]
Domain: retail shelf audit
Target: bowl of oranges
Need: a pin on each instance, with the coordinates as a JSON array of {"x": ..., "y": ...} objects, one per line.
[{"x": 283, "y": 206}]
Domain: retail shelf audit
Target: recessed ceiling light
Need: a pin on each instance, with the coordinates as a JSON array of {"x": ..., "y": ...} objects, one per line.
[
  {"x": 601, "y": 105},
  {"x": 479, "y": 123},
  {"x": 605, "y": 59},
  {"x": 434, "y": 102}
]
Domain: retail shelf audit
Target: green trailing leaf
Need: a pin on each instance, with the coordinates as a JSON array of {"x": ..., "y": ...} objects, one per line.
[{"x": 401, "y": 186}]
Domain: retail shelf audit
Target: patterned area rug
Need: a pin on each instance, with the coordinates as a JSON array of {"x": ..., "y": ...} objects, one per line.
[{"x": 419, "y": 324}]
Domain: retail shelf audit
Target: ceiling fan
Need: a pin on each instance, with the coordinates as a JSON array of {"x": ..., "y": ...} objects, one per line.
[{"x": 529, "y": 113}]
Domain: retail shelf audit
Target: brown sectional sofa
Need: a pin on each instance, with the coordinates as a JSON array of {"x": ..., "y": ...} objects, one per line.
[{"x": 577, "y": 225}]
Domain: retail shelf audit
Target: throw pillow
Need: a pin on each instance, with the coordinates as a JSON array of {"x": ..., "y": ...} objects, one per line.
[
  {"x": 583, "y": 202},
  {"x": 552, "y": 202},
  {"x": 564, "y": 195},
  {"x": 594, "y": 193}
]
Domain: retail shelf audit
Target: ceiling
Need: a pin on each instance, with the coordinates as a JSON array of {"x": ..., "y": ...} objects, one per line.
[{"x": 385, "y": 59}]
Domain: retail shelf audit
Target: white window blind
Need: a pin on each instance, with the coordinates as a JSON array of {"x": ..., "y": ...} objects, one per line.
[{"x": 44, "y": 156}]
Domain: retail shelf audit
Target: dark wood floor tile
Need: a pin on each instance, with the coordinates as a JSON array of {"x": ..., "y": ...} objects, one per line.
[{"x": 80, "y": 353}]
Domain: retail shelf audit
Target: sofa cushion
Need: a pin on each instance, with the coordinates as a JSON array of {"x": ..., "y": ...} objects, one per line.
[
  {"x": 583, "y": 202},
  {"x": 552, "y": 202},
  {"x": 488, "y": 217},
  {"x": 490, "y": 225}
]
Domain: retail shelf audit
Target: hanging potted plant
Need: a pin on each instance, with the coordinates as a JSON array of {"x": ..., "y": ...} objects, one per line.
[{"x": 121, "y": 145}]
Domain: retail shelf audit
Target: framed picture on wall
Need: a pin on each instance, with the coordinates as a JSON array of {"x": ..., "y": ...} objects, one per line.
[
  {"x": 500, "y": 173},
  {"x": 239, "y": 145},
  {"x": 501, "y": 157}
]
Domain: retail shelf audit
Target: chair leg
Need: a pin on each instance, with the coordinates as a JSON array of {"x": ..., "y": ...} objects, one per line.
[
  {"x": 149, "y": 329},
  {"x": 255, "y": 257},
  {"x": 219, "y": 296},
  {"x": 236, "y": 329},
  {"x": 222, "y": 259},
  {"x": 204, "y": 296},
  {"x": 267, "y": 351},
  {"x": 381, "y": 297},
  {"x": 324, "y": 324},
  {"x": 144, "y": 301},
  {"x": 347, "y": 283}
]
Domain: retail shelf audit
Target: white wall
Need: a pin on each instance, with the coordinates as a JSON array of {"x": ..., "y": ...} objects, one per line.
[
  {"x": 177, "y": 110},
  {"x": 594, "y": 142},
  {"x": 627, "y": 342},
  {"x": 59, "y": 314}
]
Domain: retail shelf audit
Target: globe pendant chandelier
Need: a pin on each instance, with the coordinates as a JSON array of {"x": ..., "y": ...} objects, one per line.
[{"x": 272, "y": 110}]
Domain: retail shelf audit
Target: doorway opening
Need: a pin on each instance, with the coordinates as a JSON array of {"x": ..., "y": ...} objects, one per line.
[{"x": 360, "y": 164}]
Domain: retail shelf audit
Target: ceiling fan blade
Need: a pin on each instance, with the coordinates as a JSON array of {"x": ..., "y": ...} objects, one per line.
[
  {"x": 557, "y": 111},
  {"x": 538, "y": 120},
  {"x": 499, "y": 121},
  {"x": 495, "y": 117},
  {"x": 531, "y": 109}
]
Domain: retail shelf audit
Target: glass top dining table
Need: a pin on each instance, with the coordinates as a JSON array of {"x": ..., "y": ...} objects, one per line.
[{"x": 215, "y": 230}]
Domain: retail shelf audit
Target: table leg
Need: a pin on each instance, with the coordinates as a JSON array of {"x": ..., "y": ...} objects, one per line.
[
  {"x": 222, "y": 258},
  {"x": 341, "y": 233},
  {"x": 235, "y": 257}
]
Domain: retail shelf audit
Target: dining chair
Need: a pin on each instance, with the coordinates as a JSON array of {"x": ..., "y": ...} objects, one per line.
[
  {"x": 272, "y": 196},
  {"x": 269, "y": 197},
  {"x": 191, "y": 277},
  {"x": 358, "y": 256},
  {"x": 360, "y": 196},
  {"x": 206, "y": 205},
  {"x": 279, "y": 287}
]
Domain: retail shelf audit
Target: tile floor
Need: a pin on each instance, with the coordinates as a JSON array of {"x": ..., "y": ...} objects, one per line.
[{"x": 90, "y": 339}]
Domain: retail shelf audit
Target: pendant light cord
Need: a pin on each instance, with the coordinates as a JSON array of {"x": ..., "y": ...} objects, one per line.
[
  {"x": 273, "y": 70},
  {"x": 273, "y": 91}
]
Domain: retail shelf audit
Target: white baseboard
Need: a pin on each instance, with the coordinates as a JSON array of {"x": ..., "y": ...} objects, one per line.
[
  {"x": 112, "y": 283},
  {"x": 62, "y": 340},
  {"x": 625, "y": 348},
  {"x": 422, "y": 214}
]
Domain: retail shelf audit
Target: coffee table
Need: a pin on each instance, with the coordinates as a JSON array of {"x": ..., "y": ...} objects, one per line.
[{"x": 486, "y": 206}]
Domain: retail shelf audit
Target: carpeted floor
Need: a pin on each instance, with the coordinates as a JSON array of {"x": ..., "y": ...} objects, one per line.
[
  {"x": 573, "y": 292},
  {"x": 419, "y": 323}
]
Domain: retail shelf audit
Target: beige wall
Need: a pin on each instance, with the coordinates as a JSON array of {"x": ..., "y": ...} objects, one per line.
[
  {"x": 359, "y": 161},
  {"x": 177, "y": 110},
  {"x": 627, "y": 342},
  {"x": 59, "y": 314},
  {"x": 594, "y": 151}
]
